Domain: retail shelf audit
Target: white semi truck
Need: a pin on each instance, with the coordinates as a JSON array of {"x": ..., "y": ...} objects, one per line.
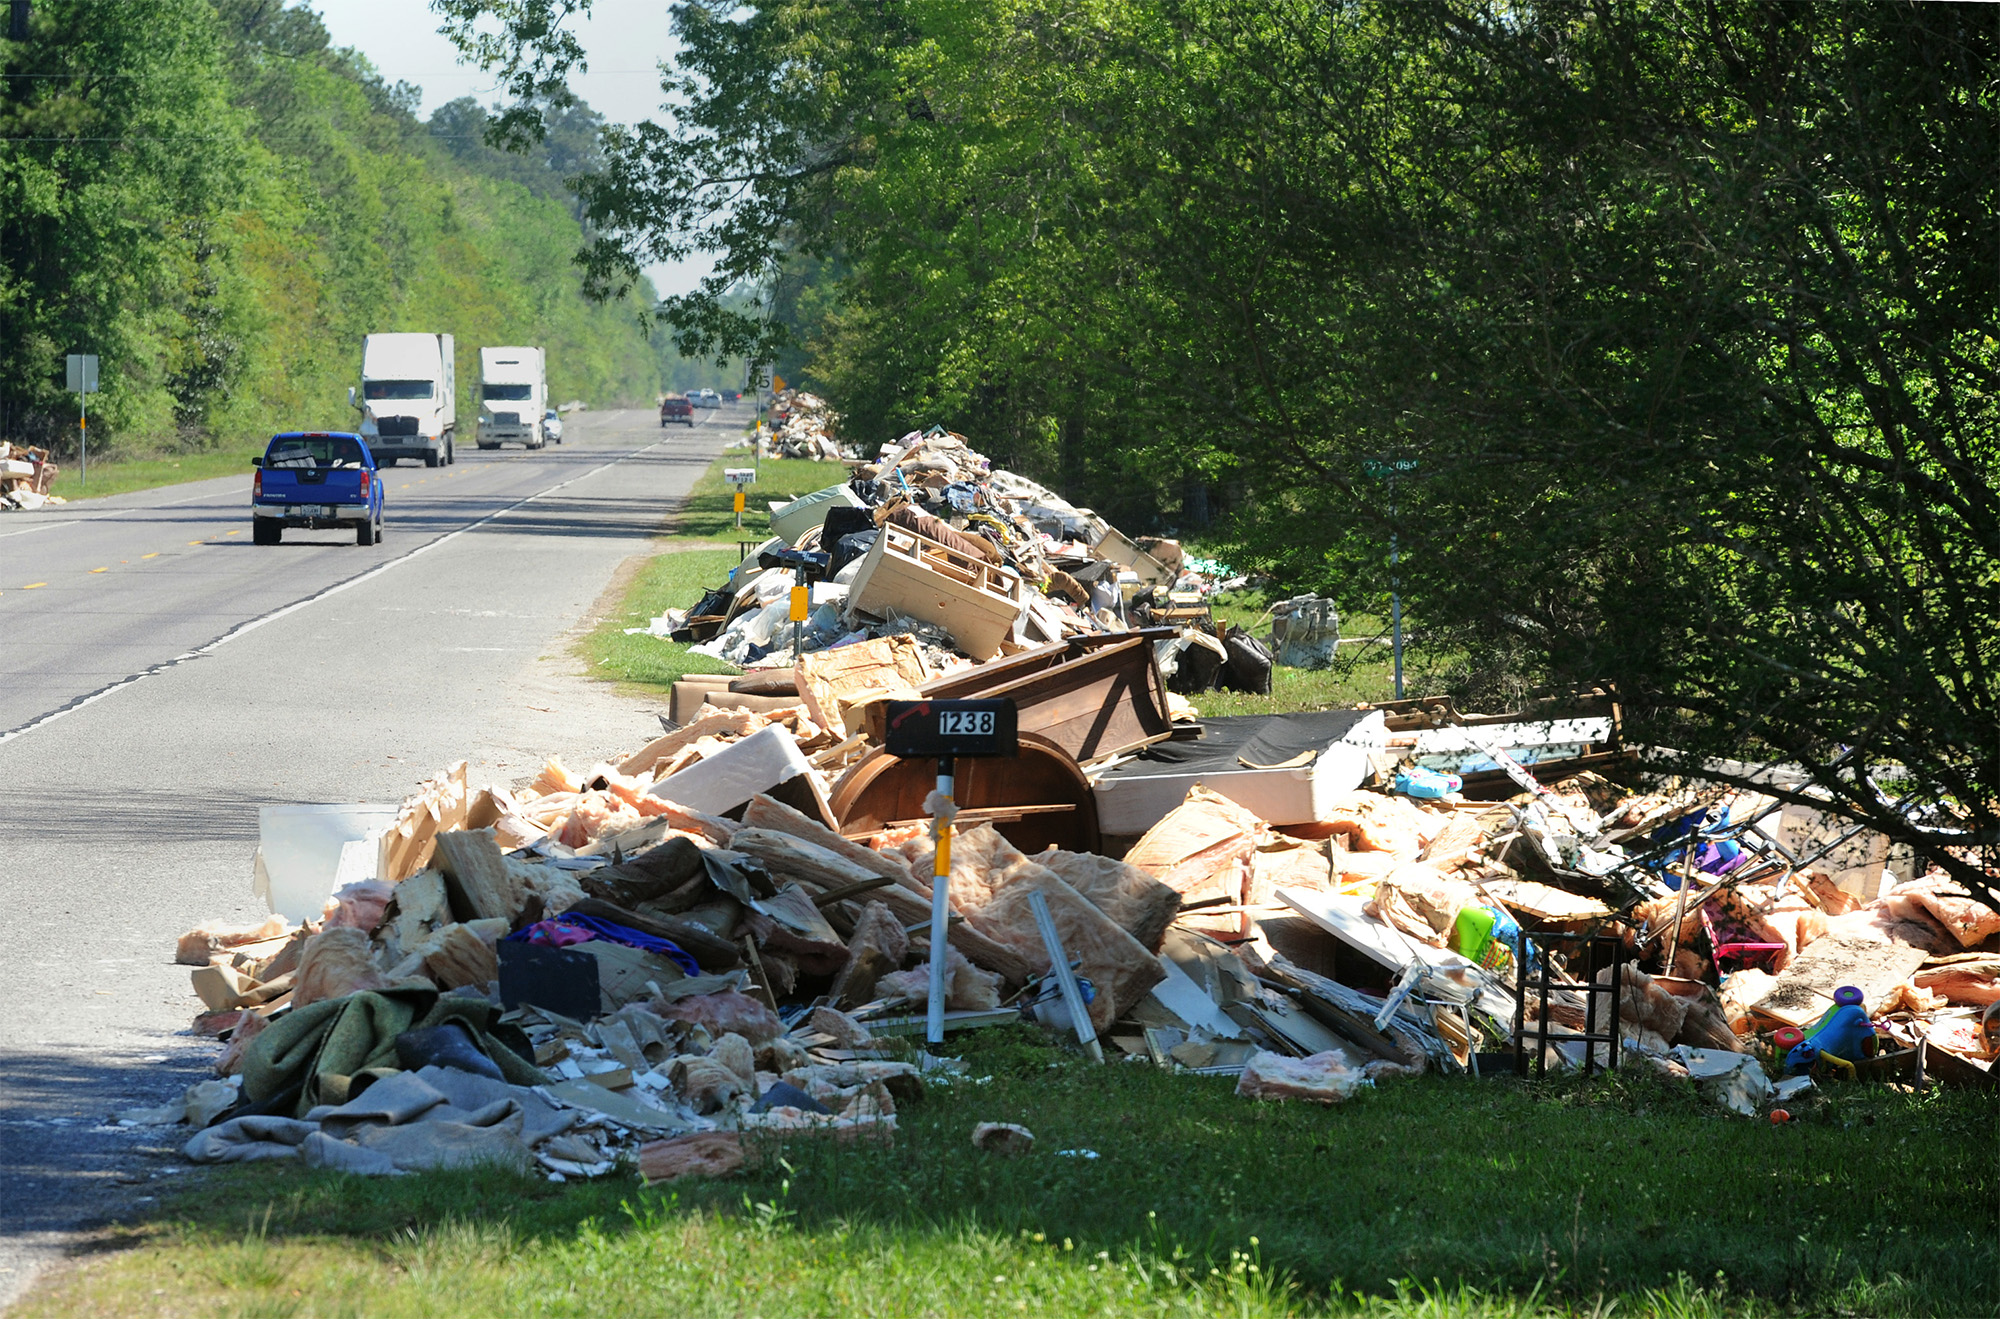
[
  {"x": 408, "y": 397},
  {"x": 513, "y": 397}
]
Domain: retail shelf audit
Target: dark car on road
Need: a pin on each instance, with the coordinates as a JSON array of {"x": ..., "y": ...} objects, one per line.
[
  {"x": 676, "y": 407},
  {"x": 309, "y": 480}
]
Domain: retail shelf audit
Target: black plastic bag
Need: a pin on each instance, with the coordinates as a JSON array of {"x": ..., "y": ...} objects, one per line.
[
  {"x": 841, "y": 521},
  {"x": 1249, "y": 666},
  {"x": 849, "y": 548},
  {"x": 1196, "y": 671}
]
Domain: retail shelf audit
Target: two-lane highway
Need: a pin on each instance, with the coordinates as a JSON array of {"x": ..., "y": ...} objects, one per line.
[
  {"x": 161, "y": 679},
  {"x": 94, "y": 594}
]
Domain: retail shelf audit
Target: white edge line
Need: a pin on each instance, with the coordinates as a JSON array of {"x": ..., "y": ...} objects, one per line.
[{"x": 251, "y": 625}]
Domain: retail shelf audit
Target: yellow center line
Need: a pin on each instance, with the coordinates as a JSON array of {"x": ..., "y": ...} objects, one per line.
[
  {"x": 154, "y": 555},
  {"x": 34, "y": 586},
  {"x": 237, "y": 532},
  {"x": 196, "y": 542},
  {"x": 100, "y": 570}
]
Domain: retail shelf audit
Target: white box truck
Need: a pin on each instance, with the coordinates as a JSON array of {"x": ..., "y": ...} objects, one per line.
[
  {"x": 513, "y": 395},
  {"x": 408, "y": 398}
]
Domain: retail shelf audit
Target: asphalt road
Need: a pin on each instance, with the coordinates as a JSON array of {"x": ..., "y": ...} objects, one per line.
[{"x": 161, "y": 679}]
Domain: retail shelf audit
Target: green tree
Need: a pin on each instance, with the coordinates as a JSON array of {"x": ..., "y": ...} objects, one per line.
[
  {"x": 1687, "y": 314},
  {"x": 220, "y": 204},
  {"x": 120, "y": 161},
  {"x": 1681, "y": 315}
]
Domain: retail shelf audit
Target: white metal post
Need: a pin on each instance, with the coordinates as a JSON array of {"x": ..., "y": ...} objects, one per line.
[
  {"x": 941, "y": 831},
  {"x": 1396, "y": 616},
  {"x": 1072, "y": 993},
  {"x": 1395, "y": 594}
]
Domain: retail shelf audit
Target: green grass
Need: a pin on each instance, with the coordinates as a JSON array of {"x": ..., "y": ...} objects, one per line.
[
  {"x": 1361, "y": 672},
  {"x": 687, "y": 566},
  {"x": 708, "y": 515},
  {"x": 673, "y": 579},
  {"x": 121, "y": 475},
  {"x": 1430, "y": 1197}
]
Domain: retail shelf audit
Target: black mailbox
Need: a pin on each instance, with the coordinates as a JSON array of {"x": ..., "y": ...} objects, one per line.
[{"x": 913, "y": 729}]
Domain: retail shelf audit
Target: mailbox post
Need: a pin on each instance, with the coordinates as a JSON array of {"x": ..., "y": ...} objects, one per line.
[
  {"x": 739, "y": 477},
  {"x": 805, "y": 564},
  {"x": 947, "y": 730}
]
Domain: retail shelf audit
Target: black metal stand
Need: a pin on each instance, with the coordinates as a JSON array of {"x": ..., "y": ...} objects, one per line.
[{"x": 1590, "y": 989}]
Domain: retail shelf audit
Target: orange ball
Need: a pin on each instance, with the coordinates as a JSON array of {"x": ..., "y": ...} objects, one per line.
[{"x": 1779, "y": 1117}]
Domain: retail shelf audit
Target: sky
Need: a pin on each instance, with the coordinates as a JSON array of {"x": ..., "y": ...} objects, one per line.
[{"x": 622, "y": 41}]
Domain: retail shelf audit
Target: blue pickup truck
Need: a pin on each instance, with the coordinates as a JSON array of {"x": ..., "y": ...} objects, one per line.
[{"x": 315, "y": 479}]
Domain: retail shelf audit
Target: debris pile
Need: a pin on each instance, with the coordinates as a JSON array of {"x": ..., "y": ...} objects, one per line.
[
  {"x": 804, "y": 426},
  {"x": 26, "y": 477},
  {"x": 722, "y": 938},
  {"x": 974, "y": 563}
]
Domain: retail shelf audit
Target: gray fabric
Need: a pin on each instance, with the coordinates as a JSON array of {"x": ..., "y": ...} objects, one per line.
[
  {"x": 464, "y": 1090},
  {"x": 323, "y": 1151},
  {"x": 246, "y": 1139},
  {"x": 492, "y": 1135},
  {"x": 399, "y": 1097},
  {"x": 408, "y": 1121}
]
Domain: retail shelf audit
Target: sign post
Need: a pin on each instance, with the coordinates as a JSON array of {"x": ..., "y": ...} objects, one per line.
[
  {"x": 1386, "y": 469},
  {"x": 947, "y": 730},
  {"x": 760, "y": 380},
  {"x": 81, "y": 380}
]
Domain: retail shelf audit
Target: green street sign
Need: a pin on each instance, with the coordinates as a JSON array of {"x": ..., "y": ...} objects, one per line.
[{"x": 1384, "y": 468}]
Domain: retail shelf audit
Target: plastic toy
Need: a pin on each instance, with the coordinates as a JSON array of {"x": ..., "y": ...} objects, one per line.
[
  {"x": 1490, "y": 937},
  {"x": 1841, "y": 1037},
  {"x": 1416, "y": 781}
]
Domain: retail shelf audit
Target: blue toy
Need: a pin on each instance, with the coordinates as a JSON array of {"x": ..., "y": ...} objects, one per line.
[
  {"x": 1843, "y": 1036},
  {"x": 1416, "y": 781}
]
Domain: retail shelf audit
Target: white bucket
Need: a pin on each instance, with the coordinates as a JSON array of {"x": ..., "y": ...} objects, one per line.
[{"x": 299, "y": 850}]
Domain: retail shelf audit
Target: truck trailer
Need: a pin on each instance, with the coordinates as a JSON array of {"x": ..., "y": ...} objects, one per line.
[
  {"x": 408, "y": 397},
  {"x": 513, "y": 396}
]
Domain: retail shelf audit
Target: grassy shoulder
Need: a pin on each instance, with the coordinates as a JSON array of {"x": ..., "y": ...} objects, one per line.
[
  {"x": 123, "y": 475},
  {"x": 1364, "y": 670},
  {"x": 1428, "y": 1197},
  {"x": 693, "y": 559}
]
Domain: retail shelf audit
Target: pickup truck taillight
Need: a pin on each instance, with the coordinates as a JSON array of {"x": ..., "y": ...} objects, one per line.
[
  {"x": 257, "y": 484},
  {"x": 364, "y": 483}
]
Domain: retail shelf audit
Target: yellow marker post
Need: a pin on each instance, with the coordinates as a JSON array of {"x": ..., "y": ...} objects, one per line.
[{"x": 738, "y": 504}]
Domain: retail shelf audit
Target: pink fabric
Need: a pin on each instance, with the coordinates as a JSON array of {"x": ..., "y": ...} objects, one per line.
[{"x": 549, "y": 934}]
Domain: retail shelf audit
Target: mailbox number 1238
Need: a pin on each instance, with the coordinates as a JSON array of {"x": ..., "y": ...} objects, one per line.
[{"x": 965, "y": 723}]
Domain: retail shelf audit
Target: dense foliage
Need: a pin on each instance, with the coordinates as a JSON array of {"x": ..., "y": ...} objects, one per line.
[
  {"x": 220, "y": 205},
  {"x": 1660, "y": 333}
]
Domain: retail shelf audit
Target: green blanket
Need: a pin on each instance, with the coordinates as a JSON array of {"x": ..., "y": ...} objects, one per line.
[{"x": 338, "y": 1046}]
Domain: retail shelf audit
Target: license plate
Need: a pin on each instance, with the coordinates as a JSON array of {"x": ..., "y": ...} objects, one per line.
[{"x": 313, "y": 510}]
